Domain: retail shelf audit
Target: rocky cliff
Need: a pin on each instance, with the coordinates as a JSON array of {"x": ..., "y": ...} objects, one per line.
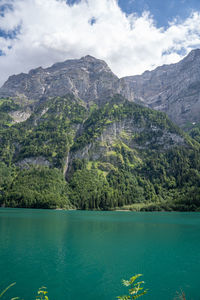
[
  {"x": 88, "y": 78},
  {"x": 111, "y": 155},
  {"x": 173, "y": 89}
]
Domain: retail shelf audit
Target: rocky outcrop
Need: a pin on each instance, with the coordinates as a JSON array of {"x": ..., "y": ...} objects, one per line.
[
  {"x": 33, "y": 161},
  {"x": 173, "y": 89},
  {"x": 124, "y": 133},
  {"x": 19, "y": 116},
  {"x": 87, "y": 78}
]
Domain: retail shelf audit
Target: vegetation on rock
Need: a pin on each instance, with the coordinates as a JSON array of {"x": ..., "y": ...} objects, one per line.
[{"x": 119, "y": 155}]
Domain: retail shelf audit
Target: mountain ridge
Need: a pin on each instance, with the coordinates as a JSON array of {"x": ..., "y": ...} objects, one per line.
[
  {"x": 75, "y": 135},
  {"x": 117, "y": 155},
  {"x": 87, "y": 78},
  {"x": 174, "y": 88}
]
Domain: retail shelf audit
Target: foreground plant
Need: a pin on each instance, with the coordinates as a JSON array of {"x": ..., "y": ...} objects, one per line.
[
  {"x": 136, "y": 290},
  {"x": 7, "y": 288},
  {"x": 180, "y": 296},
  {"x": 42, "y": 294}
]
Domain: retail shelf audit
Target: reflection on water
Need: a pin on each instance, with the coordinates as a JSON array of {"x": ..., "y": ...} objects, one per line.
[{"x": 84, "y": 255}]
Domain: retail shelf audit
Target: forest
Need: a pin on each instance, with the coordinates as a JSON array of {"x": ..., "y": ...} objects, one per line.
[{"x": 76, "y": 156}]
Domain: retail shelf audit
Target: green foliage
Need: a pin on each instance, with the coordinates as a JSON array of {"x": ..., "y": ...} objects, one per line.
[
  {"x": 37, "y": 187},
  {"x": 119, "y": 155},
  {"x": 119, "y": 109},
  {"x": 194, "y": 132},
  {"x": 42, "y": 294},
  {"x": 49, "y": 135},
  {"x": 134, "y": 172},
  {"x": 7, "y": 288},
  {"x": 89, "y": 190},
  {"x": 136, "y": 289},
  {"x": 161, "y": 181},
  {"x": 7, "y": 105}
]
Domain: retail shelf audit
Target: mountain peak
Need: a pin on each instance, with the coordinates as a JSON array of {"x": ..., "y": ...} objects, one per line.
[
  {"x": 87, "y": 78},
  {"x": 195, "y": 53},
  {"x": 89, "y": 58}
]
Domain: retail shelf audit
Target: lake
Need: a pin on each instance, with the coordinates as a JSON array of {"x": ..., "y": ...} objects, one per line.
[{"x": 85, "y": 255}]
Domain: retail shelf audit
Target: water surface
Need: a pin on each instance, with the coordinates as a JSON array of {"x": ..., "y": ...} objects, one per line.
[{"x": 84, "y": 255}]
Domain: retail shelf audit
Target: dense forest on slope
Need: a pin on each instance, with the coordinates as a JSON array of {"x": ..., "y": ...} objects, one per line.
[{"x": 68, "y": 154}]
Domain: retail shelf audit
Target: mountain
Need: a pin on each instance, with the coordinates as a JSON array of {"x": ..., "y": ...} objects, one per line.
[
  {"x": 88, "y": 78},
  {"x": 173, "y": 89},
  {"x": 74, "y": 135},
  {"x": 120, "y": 154}
]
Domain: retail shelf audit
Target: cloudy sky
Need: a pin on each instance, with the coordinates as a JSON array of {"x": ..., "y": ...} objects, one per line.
[{"x": 130, "y": 35}]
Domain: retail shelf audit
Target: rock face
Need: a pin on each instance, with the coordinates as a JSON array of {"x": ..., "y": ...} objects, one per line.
[
  {"x": 30, "y": 161},
  {"x": 88, "y": 79},
  {"x": 173, "y": 89},
  {"x": 103, "y": 147},
  {"x": 19, "y": 116}
]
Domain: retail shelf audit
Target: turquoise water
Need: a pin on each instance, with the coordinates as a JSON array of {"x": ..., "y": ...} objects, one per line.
[{"x": 84, "y": 255}]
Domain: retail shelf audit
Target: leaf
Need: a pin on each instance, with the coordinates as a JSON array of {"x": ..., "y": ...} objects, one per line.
[
  {"x": 42, "y": 288},
  {"x": 4, "y": 291},
  {"x": 132, "y": 279},
  {"x": 139, "y": 283},
  {"x": 135, "y": 290},
  {"x": 125, "y": 282},
  {"x": 137, "y": 296}
]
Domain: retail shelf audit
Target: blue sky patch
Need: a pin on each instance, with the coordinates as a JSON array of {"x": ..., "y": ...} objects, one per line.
[
  {"x": 162, "y": 11},
  {"x": 139, "y": 46},
  {"x": 71, "y": 2},
  {"x": 11, "y": 34},
  {"x": 92, "y": 21},
  {"x": 2, "y": 53},
  {"x": 4, "y": 8}
]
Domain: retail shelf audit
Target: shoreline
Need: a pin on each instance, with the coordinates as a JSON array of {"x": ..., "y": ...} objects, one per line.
[
  {"x": 99, "y": 210},
  {"x": 126, "y": 210}
]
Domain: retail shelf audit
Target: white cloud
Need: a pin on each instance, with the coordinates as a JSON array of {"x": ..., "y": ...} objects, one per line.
[{"x": 51, "y": 31}]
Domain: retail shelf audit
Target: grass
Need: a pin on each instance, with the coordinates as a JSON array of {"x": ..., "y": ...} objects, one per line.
[{"x": 133, "y": 207}]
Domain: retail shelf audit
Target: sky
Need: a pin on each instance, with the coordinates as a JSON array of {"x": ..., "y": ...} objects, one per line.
[{"x": 130, "y": 35}]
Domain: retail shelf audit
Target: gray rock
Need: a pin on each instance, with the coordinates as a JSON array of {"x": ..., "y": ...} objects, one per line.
[
  {"x": 31, "y": 161},
  {"x": 19, "y": 116},
  {"x": 173, "y": 89},
  {"x": 87, "y": 78},
  {"x": 101, "y": 148}
]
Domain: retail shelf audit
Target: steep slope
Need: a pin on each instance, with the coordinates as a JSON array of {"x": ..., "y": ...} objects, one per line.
[
  {"x": 33, "y": 153},
  {"x": 46, "y": 136},
  {"x": 174, "y": 89},
  {"x": 118, "y": 154},
  {"x": 88, "y": 78},
  {"x": 128, "y": 155}
]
